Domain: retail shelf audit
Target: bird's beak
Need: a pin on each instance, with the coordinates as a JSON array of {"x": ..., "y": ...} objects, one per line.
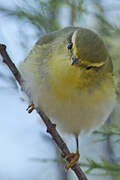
[{"x": 74, "y": 60}]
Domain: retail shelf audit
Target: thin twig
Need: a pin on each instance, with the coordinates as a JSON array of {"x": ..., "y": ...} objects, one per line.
[
  {"x": 51, "y": 128},
  {"x": 10, "y": 64}
]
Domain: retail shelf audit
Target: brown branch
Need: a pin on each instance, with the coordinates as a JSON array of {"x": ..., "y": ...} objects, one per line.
[{"x": 51, "y": 128}]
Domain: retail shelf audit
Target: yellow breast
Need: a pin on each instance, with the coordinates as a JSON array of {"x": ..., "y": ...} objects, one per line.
[
  {"x": 64, "y": 79},
  {"x": 69, "y": 82}
]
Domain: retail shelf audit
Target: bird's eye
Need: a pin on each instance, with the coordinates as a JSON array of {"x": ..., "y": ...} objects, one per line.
[
  {"x": 70, "y": 45},
  {"x": 88, "y": 67}
]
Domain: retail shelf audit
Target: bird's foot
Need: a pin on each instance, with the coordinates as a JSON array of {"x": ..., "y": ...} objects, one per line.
[
  {"x": 74, "y": 160},
  {"x": 30, "y": 108}
]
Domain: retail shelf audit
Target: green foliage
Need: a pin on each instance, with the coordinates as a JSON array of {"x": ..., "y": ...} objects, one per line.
[
  {"x": 106, "y": 168},
  {"x": 109, "y": 131},
  {"x": 44, "y": 16}
]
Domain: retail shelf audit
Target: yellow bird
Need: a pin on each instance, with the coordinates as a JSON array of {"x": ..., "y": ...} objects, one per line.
[{"x": 69, "y": 75}]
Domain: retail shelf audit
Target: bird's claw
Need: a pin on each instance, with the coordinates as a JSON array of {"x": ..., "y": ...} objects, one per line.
[
  {"x": 30, "y": 108},
  {"x": 74, "y": 160}
]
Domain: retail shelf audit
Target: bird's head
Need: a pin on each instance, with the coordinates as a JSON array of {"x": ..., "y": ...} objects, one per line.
[{"x": 87, "y": 49}]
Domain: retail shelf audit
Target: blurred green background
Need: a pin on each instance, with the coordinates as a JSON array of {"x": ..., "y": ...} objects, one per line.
[{"x": 32, "y": 18}]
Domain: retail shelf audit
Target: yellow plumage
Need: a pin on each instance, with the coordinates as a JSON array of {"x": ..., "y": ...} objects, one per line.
[
  {"x": 69, "y": 75},
  {"x": 76, "y": 98}
]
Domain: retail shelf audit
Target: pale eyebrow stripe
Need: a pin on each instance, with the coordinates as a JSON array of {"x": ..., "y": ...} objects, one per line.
[{"x": 94, "y": 64}]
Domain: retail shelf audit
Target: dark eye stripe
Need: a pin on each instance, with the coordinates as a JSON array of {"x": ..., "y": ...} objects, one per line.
[
  {"x": 70, "y": 45},
  {"x": 88, "y": 67}
]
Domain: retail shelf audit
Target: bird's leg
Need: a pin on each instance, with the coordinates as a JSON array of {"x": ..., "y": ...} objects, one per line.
[
  {"x": 74, "y": 156},
  {"x": 30, "y": 108}
]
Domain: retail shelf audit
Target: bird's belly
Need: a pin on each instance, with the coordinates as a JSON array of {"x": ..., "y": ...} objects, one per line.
[
  {"x": 78, "y": 112},
  {"x": 74, "y": 110},
  {"x": 76, "y": 118}
]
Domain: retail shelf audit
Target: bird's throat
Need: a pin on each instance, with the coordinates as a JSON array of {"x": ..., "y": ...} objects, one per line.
[{"x": 65, "y": 79}]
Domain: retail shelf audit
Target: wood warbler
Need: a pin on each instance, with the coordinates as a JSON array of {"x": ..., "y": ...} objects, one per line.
[{"x": 69, "y": 76}]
